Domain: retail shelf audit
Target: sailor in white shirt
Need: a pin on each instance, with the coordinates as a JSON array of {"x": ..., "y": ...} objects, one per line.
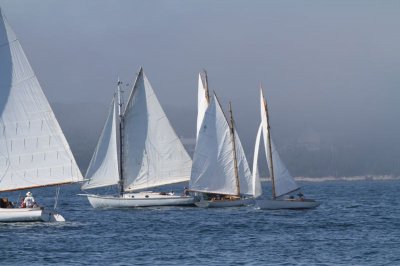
[{"x": 29, "y": 200}]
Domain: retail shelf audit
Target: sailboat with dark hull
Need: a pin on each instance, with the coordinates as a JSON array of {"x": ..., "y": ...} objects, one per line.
[
  {"x": 138, "y": 150},
  {"x": 283, "y": 184},
  {"x": 33, "y": 150}
]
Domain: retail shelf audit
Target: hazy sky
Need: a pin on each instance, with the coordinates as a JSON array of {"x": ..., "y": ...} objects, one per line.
[{"x": 329, "y": 66}]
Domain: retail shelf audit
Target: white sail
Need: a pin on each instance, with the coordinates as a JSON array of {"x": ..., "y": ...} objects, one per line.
[
  {"x": 213, "y": 168},
  {"x": 153, "y": 155},
  {"x": 256, "y": 185},
  {"x": 284, "y": 182},
  {"x": 103, "y": 169},
  {"x": 202, "y": 100},
  {"x": 244, "y": 172},
  {"x": 33, "y": 149}
]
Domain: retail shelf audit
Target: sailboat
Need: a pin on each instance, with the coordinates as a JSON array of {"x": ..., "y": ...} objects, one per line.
[
  {"x": 138, "y": 150},
  {"x": 283, "y": 184},
  {"x": 33, "y": 150},
  {"x": 220, "y": 172}
]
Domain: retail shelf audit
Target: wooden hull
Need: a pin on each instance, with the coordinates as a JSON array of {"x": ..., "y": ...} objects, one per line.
[
  {"x": 270, "y": 204},
  {"x": 133, "y": 200},
  {"x": 224, "y": 203},
  {"x": 29, "y": 215}
]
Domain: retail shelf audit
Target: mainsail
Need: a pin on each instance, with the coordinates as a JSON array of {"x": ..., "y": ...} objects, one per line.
[
  {"x": 103, "y": 169},
  {"x": 213, "y": 168},
  {"x": 33, "y": 149},
  {"x": 153, "y": 155},
  {"x": 284, "y": 182}
]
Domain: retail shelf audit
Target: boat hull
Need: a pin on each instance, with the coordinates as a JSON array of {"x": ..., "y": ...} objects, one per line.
[
  {"x": 133, "y": 200},
  {"x": 224, "y": 203},
  {"x": 28, "y": 215},
  {"x": 270, "y": 204}
]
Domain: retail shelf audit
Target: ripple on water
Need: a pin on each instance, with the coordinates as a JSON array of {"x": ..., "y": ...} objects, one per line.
[{"x": 357, "y": 224}]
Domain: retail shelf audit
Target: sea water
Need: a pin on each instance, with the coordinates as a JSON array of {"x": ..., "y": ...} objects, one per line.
[{"x": 358, "y": 223}]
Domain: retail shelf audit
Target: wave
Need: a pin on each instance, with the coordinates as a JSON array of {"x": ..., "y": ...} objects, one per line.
[{"x": 342, "y": 178}]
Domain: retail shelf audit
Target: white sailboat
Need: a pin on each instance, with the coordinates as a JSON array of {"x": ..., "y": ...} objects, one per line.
[
  {"x": 283, "y": 184},
  {"x": 220, "y": 172},
  {"x": 33, "y": 150},
  {"x": 138, "y": 150}
]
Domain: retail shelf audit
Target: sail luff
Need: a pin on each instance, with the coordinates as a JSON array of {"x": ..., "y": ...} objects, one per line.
[{"x": 121, "y": 138}]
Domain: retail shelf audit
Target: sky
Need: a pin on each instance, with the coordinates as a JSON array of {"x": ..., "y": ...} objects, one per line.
[{"x": 329, "y": 69}]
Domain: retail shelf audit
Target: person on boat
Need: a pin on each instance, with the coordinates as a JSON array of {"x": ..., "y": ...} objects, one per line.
[
  {"x": 171, "y": 193},
  {"x": 2, "y": 202},
  {"x": 29, "y": 200},
  {"x": 301, "y": 196},
  {"x": 21, "y": 202},
  {"x": 185, "y": 191},
  {"x": 5, "y": 203}
]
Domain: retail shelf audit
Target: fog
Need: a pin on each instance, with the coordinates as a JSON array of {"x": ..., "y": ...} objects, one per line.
[{"x": 330, "y": 70}]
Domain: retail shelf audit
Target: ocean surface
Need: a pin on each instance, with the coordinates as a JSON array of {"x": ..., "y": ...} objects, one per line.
[{"x": 358, "y": 223}]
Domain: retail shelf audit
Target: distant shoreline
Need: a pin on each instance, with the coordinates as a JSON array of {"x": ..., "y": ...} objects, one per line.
[{"x": 342, "y": 178}]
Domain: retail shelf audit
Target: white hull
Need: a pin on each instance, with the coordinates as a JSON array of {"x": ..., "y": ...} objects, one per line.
[
  {"x": 132, "y": 200},
  {"x": 29, "y": 215},
  {"x": 224, "y": 203},
  {"x": 270, "y": 204}
]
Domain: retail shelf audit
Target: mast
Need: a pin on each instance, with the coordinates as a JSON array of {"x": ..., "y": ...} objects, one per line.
[
  {"x": 206, "y": 85},
  {"x": 121, "y": 126},
  {"x": 232, "y": 129},
  {"x": 269, "y": 147}
]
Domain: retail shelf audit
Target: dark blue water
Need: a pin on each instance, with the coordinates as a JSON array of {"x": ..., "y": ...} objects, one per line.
[{"x": 357, "y": 224}]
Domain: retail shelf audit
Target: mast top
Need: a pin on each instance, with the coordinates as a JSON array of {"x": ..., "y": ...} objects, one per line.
[{"x": 204, "y": 79}]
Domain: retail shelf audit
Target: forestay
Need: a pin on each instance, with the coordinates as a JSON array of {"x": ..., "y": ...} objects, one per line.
[
  {"x": 103, "y": 169},
  {"x": 284, "y": 182},
  {"x": 153, "y": 155},
  {"x": 33, "y": 149},
  {"x": 213, "y": 161}
]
